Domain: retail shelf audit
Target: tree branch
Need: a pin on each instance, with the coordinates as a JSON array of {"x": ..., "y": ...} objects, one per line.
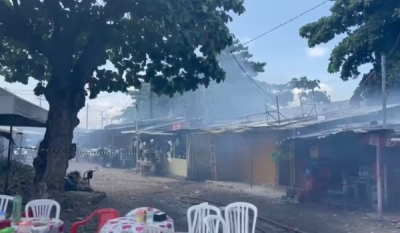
[
  {"x": 18, "y": 29},
  {"x": 15, "y": 4},
  {"x": 91, "y": 56}
]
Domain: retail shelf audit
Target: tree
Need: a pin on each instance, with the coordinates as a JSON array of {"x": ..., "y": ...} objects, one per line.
[
  {"x": 370, "y": 28},
  {"x": 236, "y": 97},
  {"x": 308, "y": 93},
  {"x": 65, "y": 46}
]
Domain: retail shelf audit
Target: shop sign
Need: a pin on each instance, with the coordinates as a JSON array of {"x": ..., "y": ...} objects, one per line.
[
  {"x": 180, "y": 125},
  {"x": 314, "y": 152}
]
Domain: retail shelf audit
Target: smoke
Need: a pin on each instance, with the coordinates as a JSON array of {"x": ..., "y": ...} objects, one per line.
[{"x": 238, "y": 96}]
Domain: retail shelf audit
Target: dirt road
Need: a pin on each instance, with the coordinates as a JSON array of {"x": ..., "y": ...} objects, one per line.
[{"x": 127, "y": 191}]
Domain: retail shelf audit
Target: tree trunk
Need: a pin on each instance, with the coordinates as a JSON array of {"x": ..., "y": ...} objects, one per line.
[
  {"x": 54, "y": 152},
  {"x": 39, "y": 163}
]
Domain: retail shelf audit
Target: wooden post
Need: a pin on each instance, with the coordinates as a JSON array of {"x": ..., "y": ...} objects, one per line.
[
  {"x": 385, "y": 182},
  {"x": 379, "y": 176}
]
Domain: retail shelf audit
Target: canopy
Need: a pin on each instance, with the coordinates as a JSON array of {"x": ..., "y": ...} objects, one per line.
[{"x": 16, "y": 111}]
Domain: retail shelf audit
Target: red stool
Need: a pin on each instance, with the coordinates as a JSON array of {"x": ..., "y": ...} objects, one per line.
[{"x": 104, "y": 216}]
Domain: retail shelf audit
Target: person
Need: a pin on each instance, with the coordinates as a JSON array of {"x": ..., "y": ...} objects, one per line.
[{"x": 313, "y": 183}]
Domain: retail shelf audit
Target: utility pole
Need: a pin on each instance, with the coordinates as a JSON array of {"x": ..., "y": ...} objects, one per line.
[
  {"x": 137, "y": 134},
  {"x": 301, "y": 106},
  {"x": 102, "y": 119},
  {"x": 151, "y": 105},
  {"x": 40, "y": 101},
  {"x": 384, "y": 93},
  {"x": 277, "y": 109},
  {"x": 87, "y": 117}
]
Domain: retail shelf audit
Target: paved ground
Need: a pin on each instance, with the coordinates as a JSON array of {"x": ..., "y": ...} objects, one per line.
[{"x": 127, "y": 191}]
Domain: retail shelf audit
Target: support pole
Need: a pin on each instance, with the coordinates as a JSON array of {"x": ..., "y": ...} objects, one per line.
[
  {"x": 87, "y": 117},
  {"x": 384, "y": 93},
  {"x": 385, "y": 182},
  {"x": 277, "y": 109},
  {"x": 301, "y": 106},
  {"x": 137, "y": 136},
  {"x": 10, "y": 148},
  {"x": 252, "y": 168},
  {"x": 379, "y": 176}
]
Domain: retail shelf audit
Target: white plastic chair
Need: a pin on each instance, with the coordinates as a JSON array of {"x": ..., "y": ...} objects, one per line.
[
  {"x": 196, "y": 215},
  {"x": 4, "y": 202},
  {"x": 42, "y": 208},
  {"x": 213, "y": 222},
  {"x": 150, "y": 229},
  {"x": 237, "y": 217}
]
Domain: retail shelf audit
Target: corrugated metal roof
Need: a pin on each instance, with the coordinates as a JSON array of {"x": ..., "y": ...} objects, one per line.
[
  {"x": 338, "y": 130},
  {"x": 304, "y": 122}
]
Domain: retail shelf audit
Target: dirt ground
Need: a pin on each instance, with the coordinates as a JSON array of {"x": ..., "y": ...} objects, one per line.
[{"x": 127, "y": 191}]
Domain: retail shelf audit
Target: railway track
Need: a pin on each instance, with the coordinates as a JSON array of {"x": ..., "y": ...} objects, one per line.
[{"x": 264, "y": 225}]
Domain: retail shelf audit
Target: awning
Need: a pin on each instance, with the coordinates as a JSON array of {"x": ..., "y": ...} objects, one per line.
[
  {"x": 155, "y": 133},
  {"x": 16, "y": 111},
  {"x": 331, "y": 132}
]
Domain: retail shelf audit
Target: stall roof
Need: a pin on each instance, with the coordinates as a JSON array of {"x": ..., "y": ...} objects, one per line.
[
  {"x": 142, "y": 123},
  {"x": 16, "y": 111},
  {"x": 163, "y": 127},
  {"x": 296, "y": 123},
  {"x": 338, "y": 130}
]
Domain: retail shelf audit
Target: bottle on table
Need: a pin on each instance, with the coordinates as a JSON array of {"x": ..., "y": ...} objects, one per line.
[
  {"x": 149, "y": 217},
  {"x": 140, "y": 216},
  {"x": 17, "y": 209}
]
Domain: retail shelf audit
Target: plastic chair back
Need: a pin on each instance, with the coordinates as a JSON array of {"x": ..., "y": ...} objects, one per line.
[
  {"x": 237, "y": 217},
  {"x": 4, "y": 202},
  {"x": 41, "y": 208},
  {"x": 103, "y": 214},
  {"x": 213, "y": 223},
  {"x": 196, "y": 215}
]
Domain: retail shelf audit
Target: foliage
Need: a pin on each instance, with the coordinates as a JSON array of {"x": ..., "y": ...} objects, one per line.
[
  {"x": 37, "y": 34},
  {"x": 308, "y": 93},
  {"x": 370, "y": 28},
  {"x": 281, "y": 154},
  {"x": 244, "y": 97},
  {"x": 70, "y": 45}
]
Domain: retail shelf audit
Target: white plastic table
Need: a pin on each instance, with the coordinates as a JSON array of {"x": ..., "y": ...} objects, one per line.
[
  {"x": 128, "y": 223},
  {"x": 52, "y": 225}
]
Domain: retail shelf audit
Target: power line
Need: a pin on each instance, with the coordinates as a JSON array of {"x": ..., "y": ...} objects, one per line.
[
  {"x": 286, "y": 22},
  {"x": 260, "y": 88},
  {"x": 115, "y": 105},
  {"x": 255, "y": 83},
  {"x": 251, "y": 79}
]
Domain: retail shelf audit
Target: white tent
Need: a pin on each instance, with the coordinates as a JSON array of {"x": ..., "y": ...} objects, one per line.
[{"x": 16, "y": 111}]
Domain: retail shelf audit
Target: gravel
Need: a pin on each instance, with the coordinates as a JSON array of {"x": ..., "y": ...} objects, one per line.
[{"x": 126, "y": 191}]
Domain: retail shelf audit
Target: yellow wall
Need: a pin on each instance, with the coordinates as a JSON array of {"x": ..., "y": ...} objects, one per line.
[
  {"x": 259, "y": 160},
  {"x": 177, "y": 167}
]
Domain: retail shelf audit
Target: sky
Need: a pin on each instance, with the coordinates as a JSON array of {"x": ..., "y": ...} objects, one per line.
[{"x": 286, "y": 53}]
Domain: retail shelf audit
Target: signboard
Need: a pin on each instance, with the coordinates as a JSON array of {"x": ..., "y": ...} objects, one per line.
[
  {"x": 314, "y": 152},
  {"x": 180, "y": 125},
  {"x": 390, "y": 143},
  {"x": 373, "y": 139},
  {"x": 321, "y": 118}
]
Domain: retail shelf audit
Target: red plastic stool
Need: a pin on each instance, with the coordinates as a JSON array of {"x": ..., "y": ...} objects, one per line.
[{"x": 104, "y": 216}]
